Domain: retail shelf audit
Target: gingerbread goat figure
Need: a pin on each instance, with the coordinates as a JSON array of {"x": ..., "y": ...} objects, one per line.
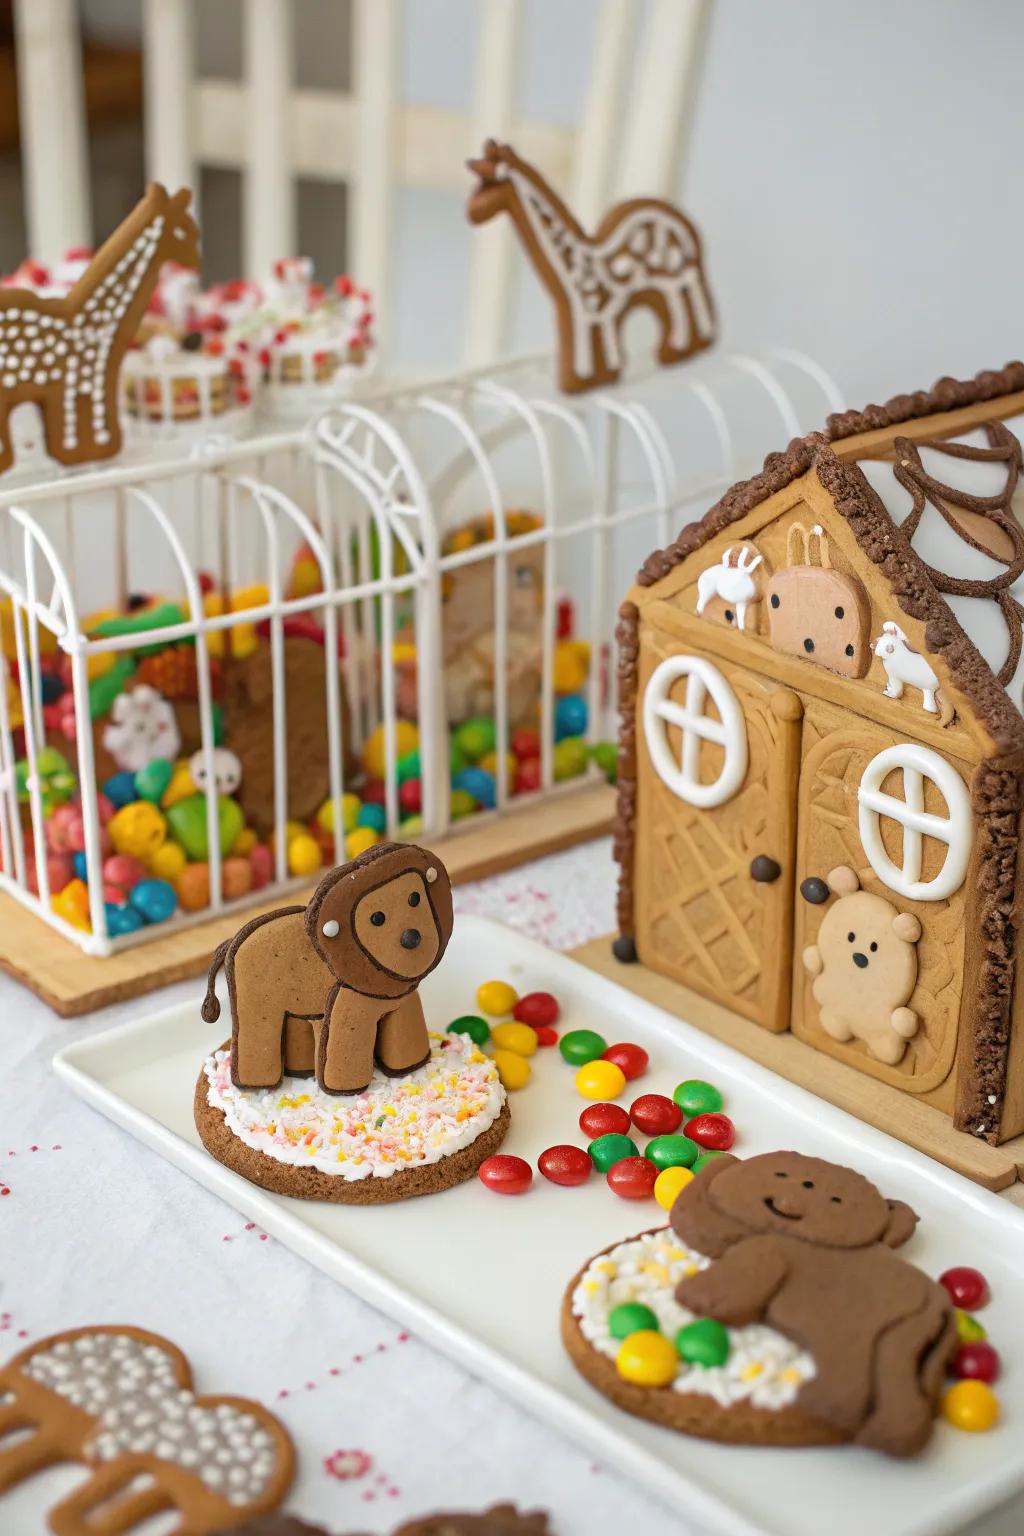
[
  {"x": 64, "y": 353},
  {"x": 329, "y": 989},
  {"x": 805, "y": 1247},
  {"x": 643, "y": 253}
]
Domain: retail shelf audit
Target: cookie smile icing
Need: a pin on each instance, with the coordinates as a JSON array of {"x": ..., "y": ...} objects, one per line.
[
  {"x": 396, "y": 1123},
  {"x": 763, "y": 1367}
]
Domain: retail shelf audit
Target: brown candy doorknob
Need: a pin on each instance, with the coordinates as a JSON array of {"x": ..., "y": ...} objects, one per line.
[{"x": 764, "y": 869}]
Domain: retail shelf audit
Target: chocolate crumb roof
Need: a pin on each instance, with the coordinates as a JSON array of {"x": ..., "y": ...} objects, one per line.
[{"x": 877, "y": 536}]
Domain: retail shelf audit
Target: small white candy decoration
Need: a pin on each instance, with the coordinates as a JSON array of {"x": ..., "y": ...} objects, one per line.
[
  {"x": 431, "y": 875},
  {"x": 227, "y": 770},
  {"x": 142, "y": 727},
  {"x": 331, "y": 929}
]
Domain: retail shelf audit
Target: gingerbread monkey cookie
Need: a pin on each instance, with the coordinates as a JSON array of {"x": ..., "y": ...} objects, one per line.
[
  {"x": 774, "y": 1312},
  {"x": 329, "y": 992},
  {"x": 119, "y": 1400}
]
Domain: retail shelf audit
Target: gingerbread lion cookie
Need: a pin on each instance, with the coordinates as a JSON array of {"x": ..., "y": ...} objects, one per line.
[
  {"x": 332, "y": 1087},
  {"x": 774, "y": 1311},
  {"x": 120, "y": 1401}
]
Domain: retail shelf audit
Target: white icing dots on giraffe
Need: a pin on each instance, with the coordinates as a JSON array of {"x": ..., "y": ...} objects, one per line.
[{"x": 131, "y": 1388}]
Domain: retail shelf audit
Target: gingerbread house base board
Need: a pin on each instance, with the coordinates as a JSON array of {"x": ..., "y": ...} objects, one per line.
[
  {"x": 72, "y": 983},
  {"x": 916, "y": 1124}
]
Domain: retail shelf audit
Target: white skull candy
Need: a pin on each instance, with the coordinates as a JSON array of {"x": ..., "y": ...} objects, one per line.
[{"x": 227, "y": 771}]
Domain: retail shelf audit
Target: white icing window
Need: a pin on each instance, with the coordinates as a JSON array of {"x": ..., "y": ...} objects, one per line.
[
  {"x": 681, "y": 771},
  {"x": 918, "y": 765}
]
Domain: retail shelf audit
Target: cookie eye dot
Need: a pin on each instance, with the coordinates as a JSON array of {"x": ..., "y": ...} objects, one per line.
[
  {"x": 780, "y": 1175},
  {"x": 836, "y": 1199},
  {"x": 776, "y": 600},
  {"x": 808, "y": 1183},
  {"x": 414, "y": 898},
  {"x": 840, "y": 613},
  {"x": 377, "y": 919},
  {"x": 874, "y": 946},
  {"x": 850, "y": 938},
  {"x": 729, "y": 615}
]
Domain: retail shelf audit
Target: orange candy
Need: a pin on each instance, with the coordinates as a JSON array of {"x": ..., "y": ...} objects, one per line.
[{"x": 193, "y": 887}]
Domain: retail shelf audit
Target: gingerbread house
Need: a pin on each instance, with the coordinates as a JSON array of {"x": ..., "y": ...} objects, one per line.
[{"x": 822, "y": 749}]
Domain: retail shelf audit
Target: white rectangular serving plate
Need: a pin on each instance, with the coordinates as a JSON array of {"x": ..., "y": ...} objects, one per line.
[{"x": 482, "y": 1277}]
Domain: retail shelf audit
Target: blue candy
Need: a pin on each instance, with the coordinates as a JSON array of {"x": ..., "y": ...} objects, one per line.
[
  {"x": 120, "y": 789},
  {"x": 373, "y": 816},
  {"x": 121, "y": 919},
  {"x": 478, "y": 783},
  {"x": 153, "y": 900},
  {"x": 81, "y": 864},
  {"x": 570, "y": 716}
]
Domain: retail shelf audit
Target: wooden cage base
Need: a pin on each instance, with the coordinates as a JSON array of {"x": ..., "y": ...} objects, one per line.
[
  {"x": 919, "y": 1125},
  {"x": 73, "y": 983}
]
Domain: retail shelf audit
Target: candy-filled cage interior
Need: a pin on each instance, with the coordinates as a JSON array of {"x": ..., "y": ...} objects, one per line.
[{"x": 229, "y": 669}]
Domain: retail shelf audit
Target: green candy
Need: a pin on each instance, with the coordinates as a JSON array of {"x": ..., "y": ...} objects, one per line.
[
  {"x": 703, "y": 1160},
  {"x": 671, "y": 1152},
  {"x": 696, "y": 1097},
  {"x": 582, "y": 1045},
  {"x": 49, "y": 761},
  {"x": 462, "y": 804},
  {"x": 569, "y": 758},
  {"x": 457, "y": 759},
  {"x": 187, "y": 821},
  {"x": 470, "y": 1024},
  {"x": 608, "y": 1150},
  {"x": 606, "y": 755},
  {"x": 104, "y": 690},
  {"x": 143, "y": 623},
  {"x": 631, "y": 1317},
  {"x": 408, "y": 765},
  {"x": 475, "y": 738},
  {"x": 704, "y": 1342},
  {"x": 969, "y": 1330},
  {"x": 151, "y": 782}
]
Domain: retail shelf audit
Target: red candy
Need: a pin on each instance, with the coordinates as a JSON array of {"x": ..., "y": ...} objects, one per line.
[
  {"x": 536, "y": 1008},
  {"x": 565, "y": 1165},
  {"x": 632, "y": 1178},
  {"x": 631, "y": 1059},
  {"x": 655, "y": 1115},
  {"x": 604, "y": 1120},
  {"x": 505, "y": 1174},
  {"x": 716, "y": 1132},
  {"x": 546, "y": 1035},
  {"x": 967, "y": 1288},
  {"x": 976, "y": 1362}
]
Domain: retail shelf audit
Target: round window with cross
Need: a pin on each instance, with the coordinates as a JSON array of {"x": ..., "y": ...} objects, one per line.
[
  {"x": 695, "y": 731},
  {"x": 915, "y": 822}
]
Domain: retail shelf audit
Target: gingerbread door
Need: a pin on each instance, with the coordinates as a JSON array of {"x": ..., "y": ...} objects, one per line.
[
  {"x": 718, "y": 752},
  {"x": 897, "y": 817}
]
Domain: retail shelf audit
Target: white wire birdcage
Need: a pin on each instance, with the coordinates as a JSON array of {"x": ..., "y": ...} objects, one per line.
[{"x": 562, "y": 499}]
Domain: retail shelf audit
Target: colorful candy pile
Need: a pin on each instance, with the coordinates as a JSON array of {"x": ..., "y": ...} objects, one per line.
[{"x": 970, "y": 1402}]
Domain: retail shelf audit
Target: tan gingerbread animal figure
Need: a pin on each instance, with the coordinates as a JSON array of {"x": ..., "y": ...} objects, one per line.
[
  {"x": 327, "y": 989},
  {"x": 865, "y": 969},
  {"x": 805, "y": 1247}
]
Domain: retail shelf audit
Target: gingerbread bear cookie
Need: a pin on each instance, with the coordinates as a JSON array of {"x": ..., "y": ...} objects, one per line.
[
  {"x": 499, "y": 1520},
  {"x": 120, "y": 1401},
  {"x": 330, "y": 992},
  {"x": 864, "y": 967},
  {"x": 794, "y": 1322}
]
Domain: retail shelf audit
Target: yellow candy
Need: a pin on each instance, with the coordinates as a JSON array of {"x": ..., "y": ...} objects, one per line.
[
  {"x": 668, "y": 1185},
  {"x": 496, "y": 998},
  {"x": 72, "y": 904},
  {"x": 969, "y": 1330},
  {"x": 138, "y": 829},
  {"x": 970, "y": 1405},
  {"x": 244, "y": 843},
  {"x": 600, "y": 1080},
  {"x": 168, "y": 861},
  {"x": 358, "y": 840},
  {"x": 519, "y": 1038},
  {"x": 490, "y": 763},
  {"x": 304, "y": 855},
  {"x": 349, "y": 811},
  {"x": 647, "y": 1359},
  {"x": 513, "y": 1070},
  {"x": 181, "y": 786},
  {"x": 407, "y": 739},
  {"x": 571, "y": 665}
]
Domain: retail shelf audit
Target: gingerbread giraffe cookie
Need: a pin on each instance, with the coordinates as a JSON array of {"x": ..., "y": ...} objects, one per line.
[
  {"x": 329, "y": 992},
  {"x": 778, "y": 1312},
  {"x": 120, "y": 1401}
]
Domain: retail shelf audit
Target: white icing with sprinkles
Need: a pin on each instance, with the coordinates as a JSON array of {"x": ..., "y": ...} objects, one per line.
[
  {"x": 763, "y": 1368},
  {"x": 399, "y": 1122}
]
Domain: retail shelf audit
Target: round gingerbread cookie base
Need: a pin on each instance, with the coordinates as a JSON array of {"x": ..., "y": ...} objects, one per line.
[
  {"x": 689, "y": 1413},
  {"x": 312, "y": 1184}
]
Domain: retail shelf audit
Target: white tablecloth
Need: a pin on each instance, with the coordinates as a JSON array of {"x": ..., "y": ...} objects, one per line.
[{"x": 98, "y": 1229}]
